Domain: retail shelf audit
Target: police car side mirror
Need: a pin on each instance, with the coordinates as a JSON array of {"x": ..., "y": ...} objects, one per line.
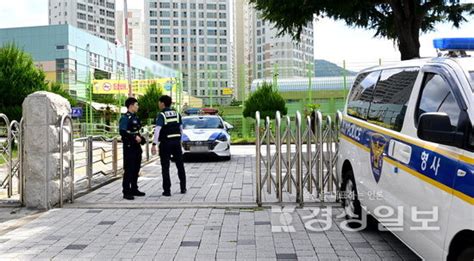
[
  {"x": 228, "y": 126},
  {"x": 436, "y": 127}
]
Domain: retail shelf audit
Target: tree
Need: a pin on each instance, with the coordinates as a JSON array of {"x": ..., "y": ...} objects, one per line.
[
  {"x": 149, "y": 103},
  {"x": 235, "y": 102},
  {"x": 399, "y": 20},
  {"x": 55, "y": 87},
  {"x": 266, "y": 100},
  {"x": 19, "y": 77},
  {"x": 104, "y": 98}
]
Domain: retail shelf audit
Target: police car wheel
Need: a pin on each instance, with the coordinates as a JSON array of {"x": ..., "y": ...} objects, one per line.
[
  {"x": 467, "y": 254},
  {"x": 350, "y": 201}
]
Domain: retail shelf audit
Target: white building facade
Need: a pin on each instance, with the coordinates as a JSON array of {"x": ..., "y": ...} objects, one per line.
[
  {"x": 136, "y": 28},
  {"x": 194, "y": 37},
  {"x": 94, "y": 16}
]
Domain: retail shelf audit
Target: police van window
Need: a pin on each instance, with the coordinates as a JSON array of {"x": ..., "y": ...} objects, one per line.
[
  {"x": 471, "y": 78},
  {"x": 391, "y": 97},
  {"x": 436, "y": 96},
  {"x": 361, "y": 94}
]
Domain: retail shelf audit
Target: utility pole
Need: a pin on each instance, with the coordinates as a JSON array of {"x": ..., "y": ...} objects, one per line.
[{"x": 127, "y": 46}]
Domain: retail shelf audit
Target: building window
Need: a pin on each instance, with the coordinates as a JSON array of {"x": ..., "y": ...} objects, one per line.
[
  {"x": 153, "y": 14},
  {"x": 164, "y": 14},
  {"x": 163, "y": 31},
  {"x": 211, "y": 6},
  {"x": 165, "y": 22},
  {"x": 165, "y": 5},
  {"x": 165, "y": 40},
  {"x": 165, "y": 48},
  {"x": 165, "y": 57},
  {"x": 211, "y": 15},
  {"x": 110, "y": 14}
]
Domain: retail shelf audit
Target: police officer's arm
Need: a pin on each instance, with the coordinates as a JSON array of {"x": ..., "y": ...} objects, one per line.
[
  {"x": 123, "y": 129},
  {"x": 180, "y": 124},
  {"x": 160, "y": 121}
]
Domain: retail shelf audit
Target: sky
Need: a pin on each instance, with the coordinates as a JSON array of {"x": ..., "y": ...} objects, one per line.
[{"x": 334, "y": 41}]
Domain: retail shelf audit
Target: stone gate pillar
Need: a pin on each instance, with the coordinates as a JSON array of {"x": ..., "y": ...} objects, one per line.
[{"x": 42, "y": 112}]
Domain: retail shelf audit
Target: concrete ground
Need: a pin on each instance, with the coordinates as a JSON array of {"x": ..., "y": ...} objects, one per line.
[{"x": 216, "y": 219}]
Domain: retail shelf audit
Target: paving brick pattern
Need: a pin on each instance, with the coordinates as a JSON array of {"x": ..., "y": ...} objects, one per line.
[{"x": 103, "y": 226}]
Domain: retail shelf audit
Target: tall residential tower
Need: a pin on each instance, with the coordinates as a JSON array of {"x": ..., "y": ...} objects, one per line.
[
  {"x": 94, "y": 16},
  {"x": 194, "y": 37}
]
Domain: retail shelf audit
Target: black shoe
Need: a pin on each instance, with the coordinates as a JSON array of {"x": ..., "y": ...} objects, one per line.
[
  {"x": 128, "y": 197},
  {"x": 183, "y": 191},
  {"x": 138, "y": 193},
  {"x": 166, "y": 194}
]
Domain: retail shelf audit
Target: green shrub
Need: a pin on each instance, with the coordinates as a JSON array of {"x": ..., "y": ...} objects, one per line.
[{"x": 267, "y": 101}]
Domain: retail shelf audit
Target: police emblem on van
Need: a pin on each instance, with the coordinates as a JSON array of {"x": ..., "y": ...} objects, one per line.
[{"x": 377, "y": 146}]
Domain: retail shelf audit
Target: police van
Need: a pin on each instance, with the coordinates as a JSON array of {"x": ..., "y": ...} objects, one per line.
[{"x": 407, "y": 150}]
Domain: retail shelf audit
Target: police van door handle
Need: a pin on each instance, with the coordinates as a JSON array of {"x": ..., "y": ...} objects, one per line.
[
  {"x": 400, "y": 151},
  {"x": 461, "y": 173}
]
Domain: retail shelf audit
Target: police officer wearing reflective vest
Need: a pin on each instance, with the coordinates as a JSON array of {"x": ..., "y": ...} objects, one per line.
[
  {"x": 132, "y": 151},
  {"x": 168, "y": 138}
]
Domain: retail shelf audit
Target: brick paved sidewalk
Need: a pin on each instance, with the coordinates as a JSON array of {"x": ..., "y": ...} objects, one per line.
[
  {"x": 189, "y": 234},
  {"x": 216, "y": 219}
]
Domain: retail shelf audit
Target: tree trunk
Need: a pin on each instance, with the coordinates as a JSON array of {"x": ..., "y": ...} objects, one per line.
[
  {"x": 407, "y": 25},
  {"x": 408, "y": 45}
]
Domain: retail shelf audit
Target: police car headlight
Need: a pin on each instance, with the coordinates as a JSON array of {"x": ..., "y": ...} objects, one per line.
[
  {"x": 184, "y": 138},
  {"x": 222, "y": 137}
]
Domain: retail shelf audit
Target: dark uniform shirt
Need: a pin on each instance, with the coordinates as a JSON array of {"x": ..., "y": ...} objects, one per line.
[{"x": 129, "y": 129}]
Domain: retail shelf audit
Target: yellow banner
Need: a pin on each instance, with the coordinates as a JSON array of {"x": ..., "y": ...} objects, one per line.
[
  {"x": 227, "y": 91},
  {"x": 139, "y": 87}
]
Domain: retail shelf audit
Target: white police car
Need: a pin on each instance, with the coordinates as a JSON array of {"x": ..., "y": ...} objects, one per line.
[
  {"x": 206, "y": 135},
  {"x": 407, "y": 151}
]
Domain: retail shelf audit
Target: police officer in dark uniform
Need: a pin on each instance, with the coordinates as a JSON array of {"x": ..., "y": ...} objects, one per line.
[
  {"x": 132, "y": 151},
  {"x": 168, "y": 138}
]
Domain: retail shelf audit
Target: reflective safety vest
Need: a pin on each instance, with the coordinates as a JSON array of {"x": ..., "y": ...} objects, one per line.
[{"x": 170, "y": 129}]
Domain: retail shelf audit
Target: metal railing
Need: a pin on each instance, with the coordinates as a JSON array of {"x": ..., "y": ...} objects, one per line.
[
  {"x": 87, "y": 158},
  {"x": 70, "y": 168},
  {"x": 11, "y": 171},
  {"x": 301, "y": 158},
  {"x": 97, "y": 157}
]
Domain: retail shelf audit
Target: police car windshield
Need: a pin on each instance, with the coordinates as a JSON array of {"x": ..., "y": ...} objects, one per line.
[{"x": 202, "y": 123}]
